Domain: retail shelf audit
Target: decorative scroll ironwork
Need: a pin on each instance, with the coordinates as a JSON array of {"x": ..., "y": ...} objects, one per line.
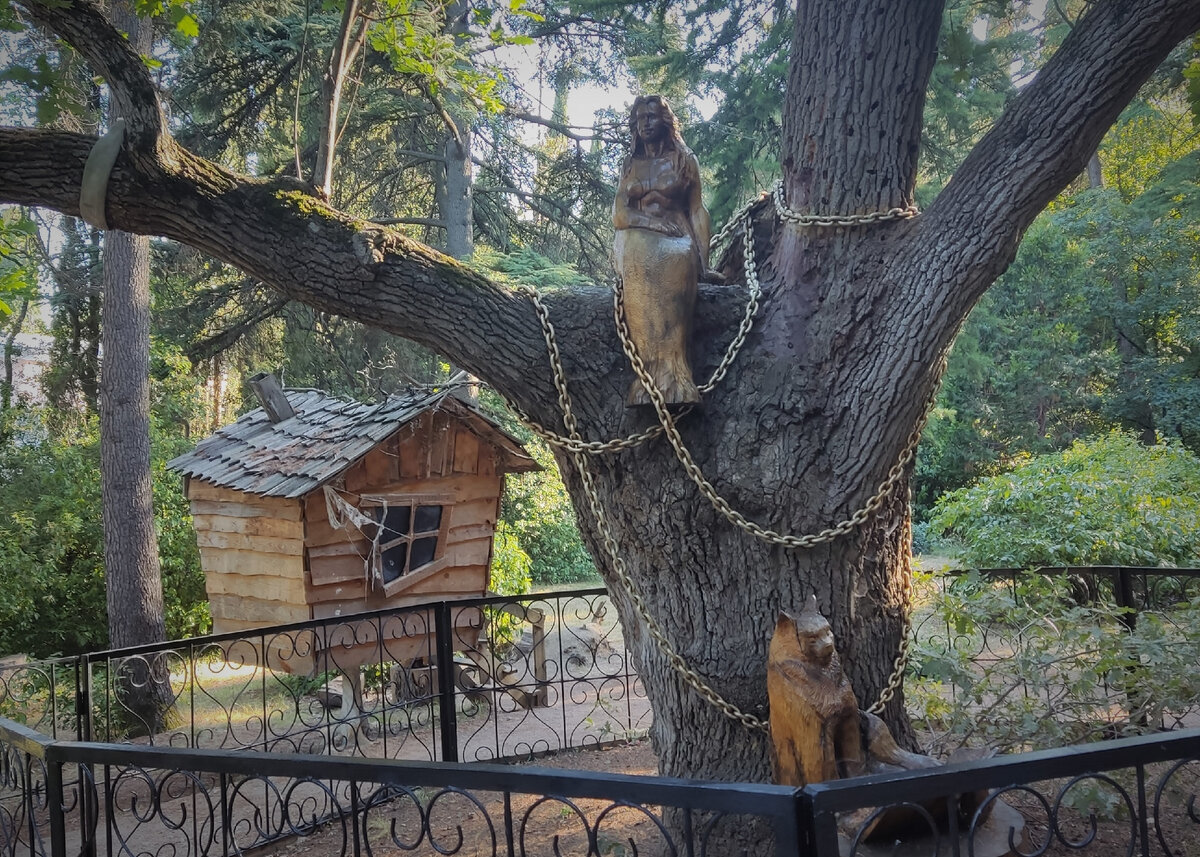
[
  {"x": 523, "y": 677},
  {"x": 482, "y": 680},
  {"x": 1126, "y": 797},
  {"x": 973, "y": 663}
]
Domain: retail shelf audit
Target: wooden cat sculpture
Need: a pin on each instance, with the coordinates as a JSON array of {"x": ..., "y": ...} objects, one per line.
[
  {"x": 819, "y": 734},
  {"x": 816, "y": 729}
]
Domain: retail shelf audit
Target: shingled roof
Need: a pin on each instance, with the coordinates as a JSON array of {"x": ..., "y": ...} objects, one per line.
[{"x": 327, "y": 434}]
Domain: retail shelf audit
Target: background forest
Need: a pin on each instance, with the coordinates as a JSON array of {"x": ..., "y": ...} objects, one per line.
[{"x": 1081, "y": 367}]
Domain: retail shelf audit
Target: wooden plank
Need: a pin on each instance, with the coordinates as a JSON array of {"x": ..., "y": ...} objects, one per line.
[
  {"x": 262, "y": 526},
  {"x": 441, "y": 444},
  {"x": 201, "y": 490},
  {"x": 337, "y": 608},
  {"x": 475, "y": 512},
  {"x": 259, "y": 611},
  {"x": 474, "y": 552},
  {"x": 371, "y": 471},
  {"x": 270, "y": 587},
  {"x": 218, "y": 561},
  {"x": 357, "y": 549},
  {"x": 257, "y": 544},
  {"x": 488, "y": 456},
  {"x": 468, "y": 532},
  {"x": 466, "y": 581},
  {"x": 231, "y": 508},
  {"x": 462, "y": 486},
  {"x": 320, "y": 533},
  {"x": 340, "y": 591},
  {"x": 317, "y": 529},
  {"x": 336, "y": 569},
  {"x": 466, "y": 451},
  {"x": 414, "y": 450}
]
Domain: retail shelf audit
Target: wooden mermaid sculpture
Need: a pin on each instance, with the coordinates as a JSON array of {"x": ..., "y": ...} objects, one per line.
[{"x": 661, "y": 248}]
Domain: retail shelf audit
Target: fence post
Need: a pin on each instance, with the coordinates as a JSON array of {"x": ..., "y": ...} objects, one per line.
[
  {"x": 54, "y": 803},
  {"x": 818, "y": 825},
  {"x": 447, "y": 710},
  {"x": 1124, "y": 596},
  {"x": 801, "y": 829},
  {"x": 1134, "y": 672},
  {"x": 83, "y": 697}
]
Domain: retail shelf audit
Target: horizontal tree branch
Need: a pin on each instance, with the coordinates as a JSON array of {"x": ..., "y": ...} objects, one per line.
[{"x": 277, "y": 231}]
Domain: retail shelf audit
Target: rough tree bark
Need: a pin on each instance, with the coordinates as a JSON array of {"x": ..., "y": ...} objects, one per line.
[
  {"x": 133, "y": 577},
  {"x": 830, "y": 383}
]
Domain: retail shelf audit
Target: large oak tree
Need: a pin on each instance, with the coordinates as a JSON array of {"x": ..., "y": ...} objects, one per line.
[{"x": 818, "y": 406}]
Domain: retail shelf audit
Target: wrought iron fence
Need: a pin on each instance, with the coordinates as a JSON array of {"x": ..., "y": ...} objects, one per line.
[
  {"x": 1124, "y": 662},
  {"x": 476, "y": 680},
  {"x": 1135, "y": 796},
  {"x": 132, "y": 800},
  {"x": 490, "y": 679}
]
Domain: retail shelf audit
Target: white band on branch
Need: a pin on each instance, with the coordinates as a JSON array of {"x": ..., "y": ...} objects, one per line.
[{"x": 93, "y": 189}]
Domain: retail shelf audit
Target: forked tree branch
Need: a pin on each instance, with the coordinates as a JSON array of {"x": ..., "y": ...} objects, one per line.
[{"x": 1042, "y": 142}]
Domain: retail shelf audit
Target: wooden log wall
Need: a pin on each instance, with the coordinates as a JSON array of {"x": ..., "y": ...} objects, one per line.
[
  {"x": 252, "y": 553},
  {"x": 271, "y": 560},
  {"x": 436, "y": 457}
]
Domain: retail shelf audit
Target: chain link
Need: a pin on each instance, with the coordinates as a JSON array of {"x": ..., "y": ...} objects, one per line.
[
  {"x": 792, "y": 216},
  {"x": 573, "y": 443},
  {"x": 896, "y": 679},
  {"x": 595, "y": 506}
]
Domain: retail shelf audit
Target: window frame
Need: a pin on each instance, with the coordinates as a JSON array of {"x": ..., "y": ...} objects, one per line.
[{"x": 369, "y": 503}]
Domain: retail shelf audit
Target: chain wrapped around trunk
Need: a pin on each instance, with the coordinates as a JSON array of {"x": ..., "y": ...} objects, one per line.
[{"x": 579, "y": 449}]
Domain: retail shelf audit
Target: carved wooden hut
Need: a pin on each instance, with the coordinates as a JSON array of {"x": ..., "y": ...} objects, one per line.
[{"x": 315, "y": 506}]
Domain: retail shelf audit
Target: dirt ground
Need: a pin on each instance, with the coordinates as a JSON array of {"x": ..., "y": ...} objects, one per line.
[{"x": 550, "y": 828}]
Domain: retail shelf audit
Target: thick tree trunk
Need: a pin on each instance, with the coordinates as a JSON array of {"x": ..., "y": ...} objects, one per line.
[
  {"x": 809, "y": 422},
  {"x": 132, "y": 572},
  {"x": 830, "y": 383}
]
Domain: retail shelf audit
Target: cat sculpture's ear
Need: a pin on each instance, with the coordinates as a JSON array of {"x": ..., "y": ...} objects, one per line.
[
  {"x": 810, "y": 606},
  {"x": 785, "y": 621}
]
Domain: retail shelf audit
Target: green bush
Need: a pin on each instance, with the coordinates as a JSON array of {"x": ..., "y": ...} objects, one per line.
[
  {"x": 510, "y": 572},
  {"x": 1109, "y": 501},
  {"x": 52, "y": 591},
  {"x": 1025, "y": 666},
  {"x": 538, "y": 512}
]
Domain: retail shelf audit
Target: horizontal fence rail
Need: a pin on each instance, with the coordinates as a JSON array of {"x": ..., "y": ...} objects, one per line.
[
  {"x": 136, "y": 800},
  {"x": 1136, "y": 796},
  {"x": 343, "y": 724},
  {"x": 484, "y": 679}
]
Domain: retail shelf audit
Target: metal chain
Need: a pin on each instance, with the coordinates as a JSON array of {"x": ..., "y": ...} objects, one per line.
[
  {"x": 599, "y": 447},
  {"x": 901, "y": 663},
  {"x": 795, "y": 217},
  {"x": 596, "y": 507},
  {"x": 894, "y": 475},
  {"x": 574, "y": 444}
]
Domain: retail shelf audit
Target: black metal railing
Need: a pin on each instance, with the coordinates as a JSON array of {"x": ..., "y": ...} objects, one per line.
[
  {"x": 1136, "y": 796},
  {"x": 999, "y": 646},
  {"x": 507, "y": 678},
  {"x": 140, "y": 800},
  {"x": 484, "y": 679}
]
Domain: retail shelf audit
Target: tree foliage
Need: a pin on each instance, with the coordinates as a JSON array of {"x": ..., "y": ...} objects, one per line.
[
  {"x": 52, "y": 590},
  {"x": 1110, "y": 501}
]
